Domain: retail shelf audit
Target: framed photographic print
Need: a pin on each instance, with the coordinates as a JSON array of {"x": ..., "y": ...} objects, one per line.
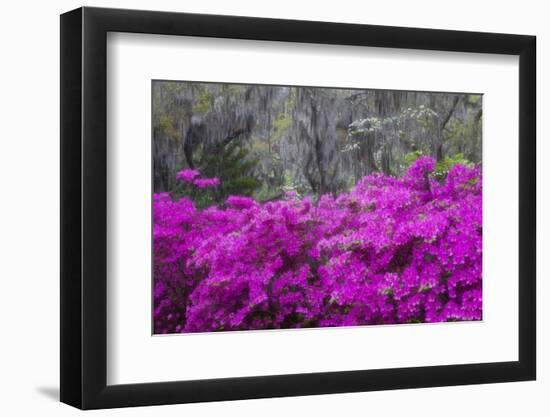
[{"x": 256, "y": 208}]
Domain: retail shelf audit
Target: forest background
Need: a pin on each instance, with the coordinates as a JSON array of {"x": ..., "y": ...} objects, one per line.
[{"x": 263, "y": 141}]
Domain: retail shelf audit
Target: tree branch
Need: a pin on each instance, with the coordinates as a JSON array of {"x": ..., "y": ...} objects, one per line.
[{"x": 450, "y": 113}]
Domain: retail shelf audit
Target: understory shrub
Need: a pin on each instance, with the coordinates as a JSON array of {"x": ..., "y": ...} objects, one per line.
[{"x": 391, "y": 250}]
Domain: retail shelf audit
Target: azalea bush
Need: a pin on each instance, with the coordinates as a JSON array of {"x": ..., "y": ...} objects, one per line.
[{"x": 391, "y": 250}]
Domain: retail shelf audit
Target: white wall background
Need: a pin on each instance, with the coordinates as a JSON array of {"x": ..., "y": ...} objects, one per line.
[{"x": 29, "y": 226}]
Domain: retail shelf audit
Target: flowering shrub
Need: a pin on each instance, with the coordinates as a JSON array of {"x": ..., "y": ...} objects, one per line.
[
  {"x": 206, "y": 182},
  {"x": 188, "y": 175},
  {"x": 392, "y": 250},
  {"x": 193, "y": 176}
]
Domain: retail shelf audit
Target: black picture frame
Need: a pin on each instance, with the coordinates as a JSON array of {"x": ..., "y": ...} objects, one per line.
[{"x": 84, "y": 207}]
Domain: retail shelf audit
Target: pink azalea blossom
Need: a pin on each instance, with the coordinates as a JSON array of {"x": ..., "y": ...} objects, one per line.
[
  {"x": 206, "y": 182},
  {"x": 187, "y": 175},
  {"x": 391, "y": 250}
]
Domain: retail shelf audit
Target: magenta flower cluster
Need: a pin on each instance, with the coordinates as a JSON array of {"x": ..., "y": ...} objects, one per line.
[
  {"x": 193, "y": 176},
  {"x": 392, "y": 250}
]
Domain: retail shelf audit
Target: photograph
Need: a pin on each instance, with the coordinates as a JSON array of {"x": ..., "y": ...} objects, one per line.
[
  {"x": 291, "y": 207},
  {"x": 264, "y": 206}
]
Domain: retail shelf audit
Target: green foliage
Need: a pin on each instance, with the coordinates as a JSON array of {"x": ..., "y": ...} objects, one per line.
[
  {"x": 205, "y": 102},
  {"x": 270, "y": 169},
  {"x": 473, "y": 99},
  {"x": 282, "y": 123},
  {"x": 201, "y": 197},
  {"x": 235, "y": 88},
  {"x": 411, "y": 157},
  {"x": 235, "y": 169},
  {"x": 292, "y": 100},
  {"x": 167, "y": 114},
  {"x": 443, "y": 166},
  {"x": 166, "y": 126},
  {"x": 466, "y": 134},
  {"x": 236, "y": 172}
]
